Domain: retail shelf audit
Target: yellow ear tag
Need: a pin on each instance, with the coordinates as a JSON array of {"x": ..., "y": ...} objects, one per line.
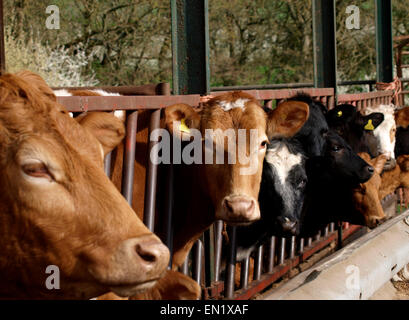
[
  {"x": 183, "y": 127},
  {"x": 339, "y": 113},
  {"x": 369, "y": 125}
]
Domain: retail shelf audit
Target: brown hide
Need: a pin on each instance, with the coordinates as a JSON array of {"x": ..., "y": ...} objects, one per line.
[
  {"x": 398, "y": 177},
  {"x": 366, "y": 196},
  {"x": 58, "y": 207}
]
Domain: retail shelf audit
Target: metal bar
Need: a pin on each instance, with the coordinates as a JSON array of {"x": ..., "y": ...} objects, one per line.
[
  {"x": 169, "y": 210},
  {"x": 282, "y": 251},
  {"x": 209, "y": 256},
  {"x": 2, "y": 47},
  {"x": 271, "y": 254},
  {"x": 162, "y": 88},
  {"x": 324, "y": 42},
  {"x": 384, "y": 45},
  {"x": 185, "y": 266},
  {"x": 292, "y": 247},
  {"x": 258, "y": 263},
  {"x": 301, "y": 250},
  {"x": 107, "y": 164},
  {"x": 197, "y": 261},
  {"x": 129, "y": 156},
  {"x": 244, "y": 276},
  {"x": 151, "y": 177},
  {"x": 190, "y": 46},
  {"x": 231, "y": 264},
  {"x": 218, "y": 226}
]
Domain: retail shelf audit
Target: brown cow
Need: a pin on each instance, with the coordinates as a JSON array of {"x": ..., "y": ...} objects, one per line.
[
  {"x": 398, "y": 177},
  {"x": 207, "y": 192},
  {"x": 366, "y": 196},
  {"x": 59, "y": 208}
]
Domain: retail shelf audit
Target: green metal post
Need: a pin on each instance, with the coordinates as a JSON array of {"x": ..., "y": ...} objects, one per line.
[
  {"x": 2, "y": 49},
  {"x": 325, "y": 53},
  {"x": 384, "y": 45},
  {"x": 190, "y": 46}
]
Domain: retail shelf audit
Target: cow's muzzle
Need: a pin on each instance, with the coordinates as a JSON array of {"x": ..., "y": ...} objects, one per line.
[{"x": 239, "y": 210}]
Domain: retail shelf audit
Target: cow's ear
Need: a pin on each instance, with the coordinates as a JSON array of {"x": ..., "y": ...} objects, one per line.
[
  {"x": 287, "y": 119},
  {"x": 342, "y": 113},
  {"x": 371, "y": 121},
  {"x": 180, "y": 118},
  {"x": 402, "y": 117},
  {"x": 108, "y": 129},
  {"x": 379, "y": 162},
  {"x": 403, "y": 162}
]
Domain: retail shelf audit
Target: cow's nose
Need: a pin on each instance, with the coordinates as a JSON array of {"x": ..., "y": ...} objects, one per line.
[
  {"x": 287, "y": 225},
  {"x": 150, "y": 253},
  {"x": 240, "y": 209}
]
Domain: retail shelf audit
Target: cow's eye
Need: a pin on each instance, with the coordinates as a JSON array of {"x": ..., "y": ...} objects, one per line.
[
  {"x": 37, "y": 170},
  {"x": 336, "y": 148},
  {"x": 263, "y": 144}
]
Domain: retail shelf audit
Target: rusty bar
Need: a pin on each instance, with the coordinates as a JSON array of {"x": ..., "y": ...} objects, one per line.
[
  {"x": 244, "y": 276},
  {"x": 129, "y": 156},
  {"x": 169, "y": 210},
  {"x": 107, "y": 164},
  {"x": 162, "y": 88},
  {"x": 282, "y": 251},
  {"x": 271, "y": 254},
  {"x": 258, "y": 263},
  {"x": 218, "y": 227},
  {"x": 151, "y": 177},
  {"x": 231, "y": 264},
  {"x": 110, "y": 103},
  {"x": 198, "y": 261},
  {"x": 2, "y": 48},
  {"x": 292, "y": 247}
]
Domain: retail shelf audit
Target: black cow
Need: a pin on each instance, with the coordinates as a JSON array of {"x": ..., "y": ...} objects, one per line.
[
  {"x": 355, "y": 128},
  {"x": 331, "y": 180}
]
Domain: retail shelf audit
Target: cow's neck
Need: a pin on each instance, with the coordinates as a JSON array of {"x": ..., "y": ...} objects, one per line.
[{"x": 193, "y": 211}]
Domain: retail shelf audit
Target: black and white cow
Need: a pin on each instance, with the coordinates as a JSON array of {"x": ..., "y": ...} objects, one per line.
[{"x": 281, "y": 195}]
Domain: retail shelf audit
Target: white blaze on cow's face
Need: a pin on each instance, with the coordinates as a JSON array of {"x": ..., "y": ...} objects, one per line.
[
  {"x": 287, "y": 179},
  {"x": 385, "y": 132}
]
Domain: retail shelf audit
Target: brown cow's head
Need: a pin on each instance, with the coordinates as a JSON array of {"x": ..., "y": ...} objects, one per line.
[
  {"x": 59, "y": 208},
  {"x": 236, "y": 125},
  {"x": 366, "y": 196}
]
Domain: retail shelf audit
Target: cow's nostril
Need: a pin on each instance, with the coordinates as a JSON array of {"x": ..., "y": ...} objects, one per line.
[{"x": 146, "y": 253}]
